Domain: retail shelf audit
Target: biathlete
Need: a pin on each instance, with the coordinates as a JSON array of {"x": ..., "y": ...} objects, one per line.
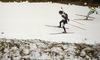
[
  {"x": 92, "y": 10},
  {"x": 64, "y": 20}
]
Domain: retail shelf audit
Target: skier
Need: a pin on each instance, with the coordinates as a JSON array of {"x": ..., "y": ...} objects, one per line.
[
  {"x": 64, "y": 20},
  {"x": 92, "y": 10}
]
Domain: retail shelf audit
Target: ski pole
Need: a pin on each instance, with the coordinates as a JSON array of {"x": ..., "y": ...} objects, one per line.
[
  {"x": 77, "y": 27},
  {"x": 76, "y": 21}
]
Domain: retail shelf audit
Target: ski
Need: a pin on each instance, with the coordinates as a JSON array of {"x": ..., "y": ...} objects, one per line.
[
  {"x": 54, "y": 26},
  {"x": 61, "y": 33},
  {"x": 84, "y": 16},
  {"x": 84, "y": 19}
]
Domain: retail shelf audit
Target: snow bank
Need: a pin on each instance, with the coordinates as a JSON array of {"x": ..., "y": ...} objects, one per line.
[{"x": 19, "y": 49}]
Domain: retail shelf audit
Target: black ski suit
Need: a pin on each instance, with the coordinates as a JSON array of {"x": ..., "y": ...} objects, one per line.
[{"x": 64, "y": 21}]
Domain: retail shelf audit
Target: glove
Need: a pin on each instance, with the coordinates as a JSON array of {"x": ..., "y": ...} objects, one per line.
[
  {"x": 96, "y": 13},
  {"x": 68, "y": 19}
]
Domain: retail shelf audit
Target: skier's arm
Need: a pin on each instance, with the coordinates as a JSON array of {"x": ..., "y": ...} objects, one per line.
[
  {"x": 66, "y": 16},
  {"x": 94, "y": 10}
]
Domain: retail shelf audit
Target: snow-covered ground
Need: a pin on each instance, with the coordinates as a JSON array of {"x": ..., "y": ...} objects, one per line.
[{"x": 27, "y": 21}]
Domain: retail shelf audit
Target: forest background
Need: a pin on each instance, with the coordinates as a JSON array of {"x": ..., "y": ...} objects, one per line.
[{"x": 77, "y": 2}]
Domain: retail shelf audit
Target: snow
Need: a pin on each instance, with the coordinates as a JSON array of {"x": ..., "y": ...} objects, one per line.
[{"x": 27, "y": 21}]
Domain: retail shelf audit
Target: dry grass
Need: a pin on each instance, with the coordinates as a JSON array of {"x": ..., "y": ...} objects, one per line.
[{"x": 14, "y": 48}]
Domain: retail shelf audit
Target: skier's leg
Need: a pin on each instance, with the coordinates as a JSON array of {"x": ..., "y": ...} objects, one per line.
[
  {"x": 90, "y": 12},
  {"x": 64, "y": 27},
  {"x": 60, "y": 23}
]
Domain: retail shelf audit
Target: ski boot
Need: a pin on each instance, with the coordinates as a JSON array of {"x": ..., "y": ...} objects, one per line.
[
  {"x": 64, "y": 31},
  {"x": 86, "y": 18}
]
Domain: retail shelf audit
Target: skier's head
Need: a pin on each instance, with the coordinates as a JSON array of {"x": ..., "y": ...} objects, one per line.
[
  {"x": 60, "y": 12},
  {"x": 89, "y": 6}
]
